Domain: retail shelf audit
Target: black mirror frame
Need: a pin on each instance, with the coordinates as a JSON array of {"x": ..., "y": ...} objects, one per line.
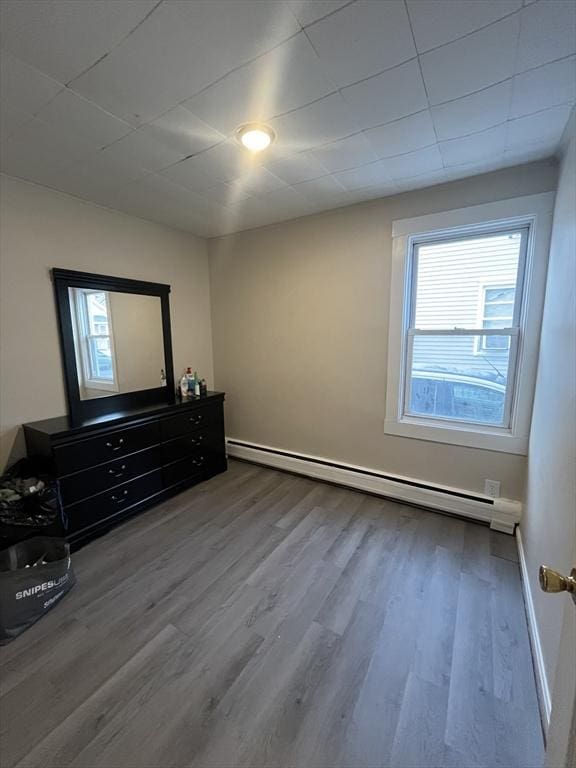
[{"x": 80, "y": 410}]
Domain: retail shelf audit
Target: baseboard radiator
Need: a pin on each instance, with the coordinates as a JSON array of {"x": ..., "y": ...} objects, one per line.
[{"x": 500, "y": 514}]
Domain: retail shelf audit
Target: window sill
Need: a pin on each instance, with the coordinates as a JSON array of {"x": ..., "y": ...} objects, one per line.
[{"x": 481, "y": 437}]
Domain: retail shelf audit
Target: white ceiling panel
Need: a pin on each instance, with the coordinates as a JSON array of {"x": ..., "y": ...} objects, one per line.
[
  {"x": 308, "y": 11},
  {"x": 296, "y": 168},
  {"x": 39, "y": 153},
  {"x": 547, "y": 86},
  {"x": 72, "y": 115},
  {"x": 389, "y": 96},
  {"x": 535, "y": 152},
  {"x": 471, "y": 63},
  {"x": 404, "y": 135},
  {"x": 180, "y": 49},
  {"x": 443, "y": 21},
  {"x": 480, "y": 146},
  {"x": 260, "y": 181},
  {"x": 64, "y": 37},
  {"x": 543, "y": 127},
  {"x": 362, "y": 39},
  {"x": 326, "y": 185},
  {"x": 146, "y": 126},
  {"x": 345, "y": 153},
  {"x": 547, "y": 33},
  {"x": 181, "y": 131},
  {"x": 318, "y": 123},
  {"x": 376, "y": 173},
  {"x": 421, "y": 181},
  {"x": 224, "y": 162},
  {"x": 24, "y": 88},
  {"x": 284, "y": 79},
  {"x": 474, "y": 113},
  {"x": 98, "y": 176},
  {"x": 141, "y": 149},
  {"x": 10, "y": 120},
  {"x": 423, "y": 161},
  {"x": 227, "y": 193}
]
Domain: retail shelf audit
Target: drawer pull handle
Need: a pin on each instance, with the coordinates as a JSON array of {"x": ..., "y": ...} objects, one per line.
[
  {"x": 116, "y": 447},
  {"x": 197, "y": 440},
  {"x": 117, "y": 474},
  {"x": 198, "y": 462},
  {"x": 196, "y": 419},
  {"x": 120, "y": 499}
]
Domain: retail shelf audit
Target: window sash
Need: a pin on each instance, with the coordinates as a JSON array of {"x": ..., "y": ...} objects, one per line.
[
  {"x": 415, "y": 242},
  {"x": 412, "y": 333}
]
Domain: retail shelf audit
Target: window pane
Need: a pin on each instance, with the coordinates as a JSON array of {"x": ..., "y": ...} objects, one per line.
[
  {"x": 101, "y": 358},
  {"x": 454, "y": 377},
  {"x": 502, "y": 310},
  {"x": 97, "y": 313},
  {"x": 500, "y": 294},
  {"x": 451, "y": 278}
]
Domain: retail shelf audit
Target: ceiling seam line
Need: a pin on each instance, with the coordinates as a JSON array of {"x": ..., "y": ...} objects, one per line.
[{"x": 105, "y": 55}]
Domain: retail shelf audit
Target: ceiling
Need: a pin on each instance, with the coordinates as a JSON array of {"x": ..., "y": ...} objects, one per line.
[{"x": 133, "y": 104}]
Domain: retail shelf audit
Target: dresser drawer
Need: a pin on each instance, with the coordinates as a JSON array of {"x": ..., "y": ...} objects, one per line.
[
  {"x": 184, "y": 423},
  {"x": 112, "y": 445},
  {"x": 197, "y": 464},
  {"x": 204, "y": 440},
  {"x": 103, "y": 506},
  {"x": 78, "y": 486}
]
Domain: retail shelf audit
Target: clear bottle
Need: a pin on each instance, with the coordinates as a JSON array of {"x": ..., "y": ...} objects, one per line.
[
  {"x": 196, "y": 384},
  {"x": 190, "y": 382},
  {"x": 185, "y": 383}
]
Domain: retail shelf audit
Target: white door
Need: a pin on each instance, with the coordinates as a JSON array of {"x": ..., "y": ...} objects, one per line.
[{"x": 561, "y": 741}]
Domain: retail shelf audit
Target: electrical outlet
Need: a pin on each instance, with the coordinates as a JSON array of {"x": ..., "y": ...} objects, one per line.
[{"x": 492, "y": 488}]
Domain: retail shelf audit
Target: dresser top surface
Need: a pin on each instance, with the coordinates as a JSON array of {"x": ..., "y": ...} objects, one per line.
[{"x": 60, "y": 426}]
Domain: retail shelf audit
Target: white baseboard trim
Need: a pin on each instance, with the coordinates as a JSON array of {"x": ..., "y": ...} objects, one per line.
[
  {"x": 501, "y": 514},
  {"x": 539, "y": 668}
]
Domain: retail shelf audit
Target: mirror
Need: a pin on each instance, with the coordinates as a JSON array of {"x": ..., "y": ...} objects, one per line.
[{"x": 117, "y": 342}]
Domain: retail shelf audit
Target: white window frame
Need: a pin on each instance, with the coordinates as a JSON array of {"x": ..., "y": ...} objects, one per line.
[
  {"x": 534, "y": 212},
  {"x": 81, "y": 332}
]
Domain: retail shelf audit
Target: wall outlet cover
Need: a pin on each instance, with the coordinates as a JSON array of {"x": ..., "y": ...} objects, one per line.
[{"x": 492, "y": 488}]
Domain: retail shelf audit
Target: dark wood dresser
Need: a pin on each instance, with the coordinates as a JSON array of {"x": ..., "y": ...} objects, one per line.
[{"x": 116, "y": 465}]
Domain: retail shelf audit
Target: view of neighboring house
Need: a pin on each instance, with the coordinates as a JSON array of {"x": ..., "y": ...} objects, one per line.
[{"x": 470, "y": 284}]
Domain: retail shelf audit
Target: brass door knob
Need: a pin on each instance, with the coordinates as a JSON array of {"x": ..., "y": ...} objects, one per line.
[{"x": 552, "y": 581}]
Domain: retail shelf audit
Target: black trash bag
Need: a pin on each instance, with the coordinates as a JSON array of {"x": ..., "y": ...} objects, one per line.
[
  {"x": 29, "y": 497},
  {"x": 34, "y": 575}
]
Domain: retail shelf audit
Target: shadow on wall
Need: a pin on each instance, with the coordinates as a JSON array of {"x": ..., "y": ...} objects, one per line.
[{"x": 15, "y": 439}]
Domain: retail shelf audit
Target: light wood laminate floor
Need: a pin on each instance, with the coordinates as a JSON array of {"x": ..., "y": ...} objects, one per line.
[{"x": 262, "y": 620}]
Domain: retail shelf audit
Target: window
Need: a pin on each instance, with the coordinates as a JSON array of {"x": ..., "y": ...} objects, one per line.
[
  {"x": 463, "y": 317},
  {"x": 94, "y": 329},
  {"x": 497, "y": 310}
]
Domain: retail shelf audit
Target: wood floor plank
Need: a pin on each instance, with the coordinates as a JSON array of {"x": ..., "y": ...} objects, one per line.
[
  {"x": 471, "y": 715},
  {"x": 264, "y": 620}
]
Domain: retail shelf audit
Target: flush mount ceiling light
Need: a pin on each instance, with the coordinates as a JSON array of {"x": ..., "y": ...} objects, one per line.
[{"x": 255, "y": 136}]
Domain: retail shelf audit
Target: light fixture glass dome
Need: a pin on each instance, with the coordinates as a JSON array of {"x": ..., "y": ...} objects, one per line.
[{"x": 255, "y": 136}]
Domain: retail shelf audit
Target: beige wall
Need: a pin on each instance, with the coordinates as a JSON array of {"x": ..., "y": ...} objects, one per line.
[
  {"x": 42, "y": 229},
  {"x": 549, "y": 523},
  {"x": 299, "y": 319},
  {"x": 138, "y": 341}
]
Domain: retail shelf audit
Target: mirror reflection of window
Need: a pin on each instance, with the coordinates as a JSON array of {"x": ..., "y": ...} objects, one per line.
[
  {"x": 118, "y": 341},
  {"x": 95, "y": 339}
]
